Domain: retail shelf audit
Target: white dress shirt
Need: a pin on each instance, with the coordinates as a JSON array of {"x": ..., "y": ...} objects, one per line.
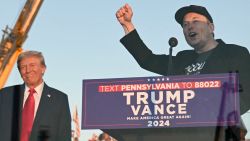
[{"x": 37, "y": 95}]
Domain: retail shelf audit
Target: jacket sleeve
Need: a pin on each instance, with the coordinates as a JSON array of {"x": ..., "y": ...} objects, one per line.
[
  {"x": 64, "y": 131},
  {"x": 242, "y": 66},
  {"x": 144, "y": 56}
]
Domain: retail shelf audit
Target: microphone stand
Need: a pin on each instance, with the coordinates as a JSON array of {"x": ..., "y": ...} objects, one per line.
[
  {"x": 172, "y": 43},
  {"x": 170, "y": 63}
]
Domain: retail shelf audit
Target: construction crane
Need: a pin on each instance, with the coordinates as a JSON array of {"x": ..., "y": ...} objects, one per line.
[{"x": 13, "y": 39}]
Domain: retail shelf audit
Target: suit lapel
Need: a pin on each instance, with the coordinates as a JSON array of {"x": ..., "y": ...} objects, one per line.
[{"x": 20, "y": 92}]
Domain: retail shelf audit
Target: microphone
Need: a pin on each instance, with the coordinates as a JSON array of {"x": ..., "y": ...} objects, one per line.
[{"x": 172, "y": 43}]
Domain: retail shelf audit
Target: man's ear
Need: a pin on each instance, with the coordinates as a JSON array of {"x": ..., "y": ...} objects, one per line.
[
  {"x": 211, "y": 27},
  {"x": 43, "y": 70}
]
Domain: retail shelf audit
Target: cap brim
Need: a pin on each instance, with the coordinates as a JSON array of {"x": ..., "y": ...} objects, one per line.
[{"x": 179, "y": 15}]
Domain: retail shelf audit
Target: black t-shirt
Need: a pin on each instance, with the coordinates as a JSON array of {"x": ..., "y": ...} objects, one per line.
[{"x": 198, "y": 65}]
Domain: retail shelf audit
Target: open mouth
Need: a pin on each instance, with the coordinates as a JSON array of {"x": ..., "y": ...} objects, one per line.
[{"x": 192, "y": 34}]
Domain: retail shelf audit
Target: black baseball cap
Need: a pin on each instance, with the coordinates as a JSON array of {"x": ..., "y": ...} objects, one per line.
[{"x": 179, "y": 15}]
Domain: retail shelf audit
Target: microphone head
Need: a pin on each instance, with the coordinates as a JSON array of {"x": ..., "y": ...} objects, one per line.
[{"x": 173, "y": 42}]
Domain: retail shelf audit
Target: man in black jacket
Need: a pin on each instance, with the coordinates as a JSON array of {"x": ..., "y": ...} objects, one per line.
[{"x": 209, "y": 56}]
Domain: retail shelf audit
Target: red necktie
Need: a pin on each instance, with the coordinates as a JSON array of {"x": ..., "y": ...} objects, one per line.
[{"x": 28, "y": 116}]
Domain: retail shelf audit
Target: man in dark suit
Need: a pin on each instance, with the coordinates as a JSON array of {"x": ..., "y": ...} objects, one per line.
[
  {"x": 209, "y": 56},
  {"x": 33, "y": 111}
]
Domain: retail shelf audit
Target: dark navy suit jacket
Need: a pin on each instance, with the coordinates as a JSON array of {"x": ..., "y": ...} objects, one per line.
[{"x": 52, "y": 121}]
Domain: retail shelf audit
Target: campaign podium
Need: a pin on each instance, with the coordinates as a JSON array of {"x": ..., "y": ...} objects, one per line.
[{"x": 176, "y": 108}]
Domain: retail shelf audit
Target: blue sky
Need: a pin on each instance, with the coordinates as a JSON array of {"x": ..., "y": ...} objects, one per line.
[{"x": 80, "y": 38}]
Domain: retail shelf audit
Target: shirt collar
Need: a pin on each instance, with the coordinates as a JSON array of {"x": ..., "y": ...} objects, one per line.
[{"x": 38, "y": 89}]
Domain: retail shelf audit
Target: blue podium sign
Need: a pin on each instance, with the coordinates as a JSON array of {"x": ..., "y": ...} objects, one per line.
[{"x": 161, "y": 102}]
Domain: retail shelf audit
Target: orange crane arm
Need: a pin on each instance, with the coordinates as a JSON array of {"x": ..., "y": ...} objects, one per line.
[{"x": 13, "y": 39}]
